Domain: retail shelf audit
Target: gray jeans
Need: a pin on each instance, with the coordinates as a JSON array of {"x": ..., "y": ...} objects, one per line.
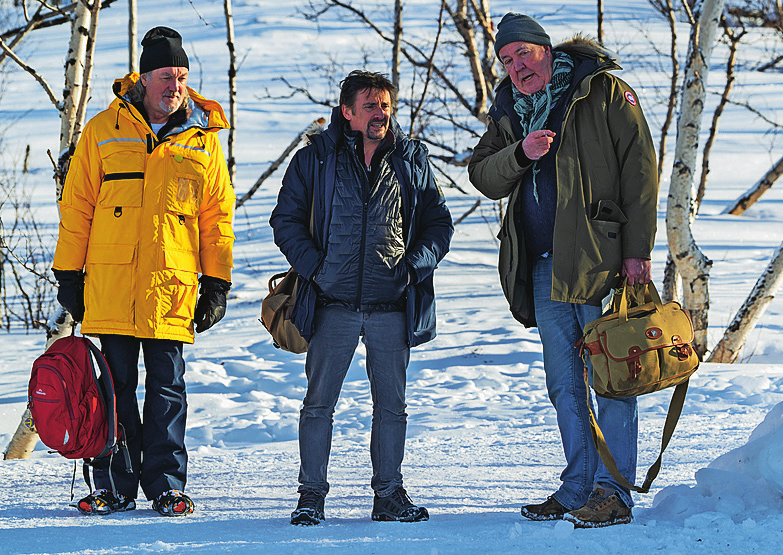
[{"x": 329, "y": 354}]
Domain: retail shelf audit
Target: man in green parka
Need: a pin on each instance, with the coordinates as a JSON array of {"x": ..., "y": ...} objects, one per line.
[{"x": 569, "y": 146}]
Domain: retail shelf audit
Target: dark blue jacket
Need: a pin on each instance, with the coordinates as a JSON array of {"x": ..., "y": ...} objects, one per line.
[{"x": 426, "y": 222}]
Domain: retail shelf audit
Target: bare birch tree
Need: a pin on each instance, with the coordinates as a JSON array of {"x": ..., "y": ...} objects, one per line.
[
  {"x": 733, "y": 37},
  {"x": 396, "y": 45},
  {"x": 600, "y": 17},
  {"x": 133, "y": 46},
  {"x": 692, "y": 264},
  {"x": 232, "y": 89},
  {"x": 72, "y": 107},
  {"x": 728, "y": 348}
]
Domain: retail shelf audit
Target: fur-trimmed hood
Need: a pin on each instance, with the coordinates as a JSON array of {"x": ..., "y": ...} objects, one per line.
[{"x": 585, "y": 47}]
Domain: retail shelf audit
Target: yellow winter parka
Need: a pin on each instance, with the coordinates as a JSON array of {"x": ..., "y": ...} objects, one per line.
[{"x": 143, "y": 216}]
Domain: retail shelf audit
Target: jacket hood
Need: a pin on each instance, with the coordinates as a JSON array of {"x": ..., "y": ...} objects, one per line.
[
  {"x": 201, "y": 112},
  {"x": 581, "y": 46}
]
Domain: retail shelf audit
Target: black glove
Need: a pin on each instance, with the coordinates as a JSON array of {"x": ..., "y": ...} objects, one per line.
[
  {"x": 70, "y": 292},
  {"x": 211, "y": 305}
]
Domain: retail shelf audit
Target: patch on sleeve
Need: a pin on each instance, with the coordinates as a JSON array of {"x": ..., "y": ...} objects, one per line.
[{"x": 630, "y": 98}]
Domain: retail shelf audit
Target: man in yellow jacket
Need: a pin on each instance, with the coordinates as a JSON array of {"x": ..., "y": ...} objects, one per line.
[{"x": 147, "y": 206}]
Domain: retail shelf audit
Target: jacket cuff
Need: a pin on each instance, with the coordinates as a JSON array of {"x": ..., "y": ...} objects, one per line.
[
  {"x": 519, "y": 154},
  {"x": 215, "y": 283}
]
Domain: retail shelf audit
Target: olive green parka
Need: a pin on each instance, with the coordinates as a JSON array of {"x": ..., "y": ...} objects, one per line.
[{"x": 607, "y": 185}]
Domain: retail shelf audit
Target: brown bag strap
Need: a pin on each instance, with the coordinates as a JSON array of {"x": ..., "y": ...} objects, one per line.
[{"x": 672, "y": 417}]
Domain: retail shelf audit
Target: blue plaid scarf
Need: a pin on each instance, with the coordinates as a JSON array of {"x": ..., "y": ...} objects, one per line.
[{"x": 533, "y": 109}]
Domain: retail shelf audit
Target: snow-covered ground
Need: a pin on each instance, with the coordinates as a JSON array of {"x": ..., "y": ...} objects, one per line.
[{"x": 482, "y": 437}]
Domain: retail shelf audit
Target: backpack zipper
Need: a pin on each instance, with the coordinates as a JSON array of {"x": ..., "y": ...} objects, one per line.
[{"x": 64, "y": 384}]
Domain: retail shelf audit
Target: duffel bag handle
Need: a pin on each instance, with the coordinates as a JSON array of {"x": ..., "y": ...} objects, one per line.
[
  {"x": 650, "y": 295},
  {"x": 273, "y": 280}
]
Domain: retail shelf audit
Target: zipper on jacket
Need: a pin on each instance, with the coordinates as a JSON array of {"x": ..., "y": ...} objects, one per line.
[{"x": 363, "y": 244}]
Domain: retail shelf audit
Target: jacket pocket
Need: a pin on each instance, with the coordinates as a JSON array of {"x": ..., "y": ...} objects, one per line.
[
  {"x": 180, "y": 232},
  {"x": 118, "y": 207},
  {"x": 225, "y": 244},
  {"x": 187, "y": 261},
  {"x": 185, "y": 182},
  {"x": 179, "y": 294},
  {"x": 110, "y": 283},
  {"x": 607, "y": 211}
]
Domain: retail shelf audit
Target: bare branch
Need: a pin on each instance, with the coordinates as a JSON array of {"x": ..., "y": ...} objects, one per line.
[
  {"x": 31, "y": 71},
  {"x": 747, "y": 199},
  {"x": 734, "y": 39},
  {"x": 469, "y": 212},
  {"x": 415, "y": 111},
  {"x": 303, "y": 91},
  {"x": 315, "y": 127},
  {"x": 460, "y": 17},
  {"x": 56, "y": 17},
  {"x": 452, "y": 183}
]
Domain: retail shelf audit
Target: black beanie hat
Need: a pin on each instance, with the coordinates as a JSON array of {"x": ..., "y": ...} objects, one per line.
[
  {"x": 162, "y": 48},
  {"x": 516, "y": 27}
]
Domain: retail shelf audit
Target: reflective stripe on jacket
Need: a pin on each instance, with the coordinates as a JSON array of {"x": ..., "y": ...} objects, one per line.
[{"x": 144, "y": 217}]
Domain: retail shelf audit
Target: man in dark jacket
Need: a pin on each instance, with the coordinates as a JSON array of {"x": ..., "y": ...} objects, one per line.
[
  {"x": 568, "y": 143},
  {"x": 361, "y": 220}
]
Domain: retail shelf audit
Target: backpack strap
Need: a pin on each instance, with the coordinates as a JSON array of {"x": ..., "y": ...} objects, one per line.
[{"x": 672, "y": 417}]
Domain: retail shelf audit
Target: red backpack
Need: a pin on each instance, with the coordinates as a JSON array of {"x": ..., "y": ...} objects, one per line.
[{"x": 71, "y": 399}]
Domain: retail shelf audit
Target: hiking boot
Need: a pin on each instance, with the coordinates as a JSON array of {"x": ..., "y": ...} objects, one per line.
[
  {"x": 397, "y": 506},
  {"x": 173, "y": 503},
  {"x": 599, "y": 511},
  {"x": 309, "y": 510},
  {"x": 105, "y": 502},
  {"x": 551, "y": 509}
]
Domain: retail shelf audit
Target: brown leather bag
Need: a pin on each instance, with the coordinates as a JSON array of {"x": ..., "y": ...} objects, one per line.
[
  {"x": 277, "y": 306},
  {"x": 639, "y": 350},
  {"x": 276, "y": 311}
]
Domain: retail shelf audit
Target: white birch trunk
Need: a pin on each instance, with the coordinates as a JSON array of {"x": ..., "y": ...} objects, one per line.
[
  {"x": 74, "y": 86},
  {"x": 232, "y": 89},
  {"x": 466, "y": 31},
  {"x": 133, "y": 43},
  {"x": 728, "y": 348},
  {"x": 396, "y": 45},
  {"x": 78, "y": 70},
  {"x": 692, "y": 264}
]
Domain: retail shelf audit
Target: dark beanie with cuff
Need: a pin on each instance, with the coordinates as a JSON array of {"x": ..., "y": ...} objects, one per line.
[
  {"x": 516, "y": 27},
  {"x": 162, "y": 48}
]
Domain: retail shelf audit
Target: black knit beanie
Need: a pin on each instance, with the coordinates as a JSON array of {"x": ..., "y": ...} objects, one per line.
[
  {"x": 162, "y": 48},
  {"x": 516, "y": 27}
]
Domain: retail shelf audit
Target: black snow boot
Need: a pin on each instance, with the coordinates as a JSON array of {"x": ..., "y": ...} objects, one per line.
[
  {"x": 310, "y": 509},
  {"x": 398, "y": 506}
]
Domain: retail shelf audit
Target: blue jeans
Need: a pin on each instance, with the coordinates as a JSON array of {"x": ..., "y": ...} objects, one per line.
[
  {"x": 560, "y": 326},
  {"x": 329, "y": 354}
]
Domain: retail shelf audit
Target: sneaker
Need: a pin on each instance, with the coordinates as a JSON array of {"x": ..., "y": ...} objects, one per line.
[
  {"x": 599, "y": 511},
  {"x": 105, "y": 502},
  {"x": 397, "y": 506},
  {"x": 173, "y": 503},
  {"x": 309, "y": 510},
  {"x": 551, "y": 509}
]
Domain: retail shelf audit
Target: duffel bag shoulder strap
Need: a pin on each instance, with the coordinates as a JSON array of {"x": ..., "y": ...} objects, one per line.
[{"x": 672, "y": 417}]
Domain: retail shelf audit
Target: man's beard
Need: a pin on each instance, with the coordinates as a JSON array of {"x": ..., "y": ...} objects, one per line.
[
  {"x": 169, "y": 105},
  {"x": 375, "y": 135}
]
